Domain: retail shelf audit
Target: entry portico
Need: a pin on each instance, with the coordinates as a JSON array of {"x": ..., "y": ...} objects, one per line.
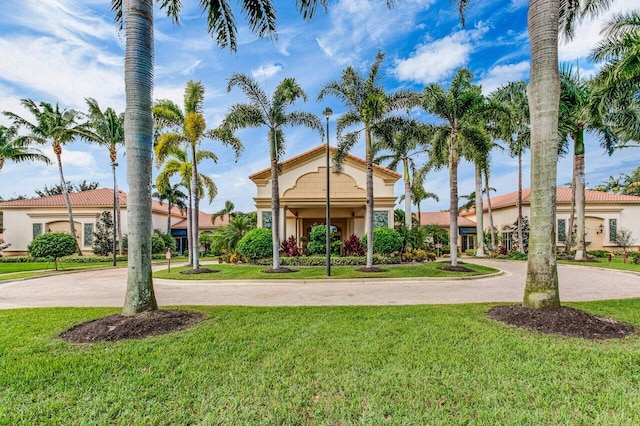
[{"x": 302, "y": 183}]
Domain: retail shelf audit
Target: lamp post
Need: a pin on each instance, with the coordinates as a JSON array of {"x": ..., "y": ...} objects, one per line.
[
  {"x": 115, "y": 224},
  {"x": 327, "y": 113}
]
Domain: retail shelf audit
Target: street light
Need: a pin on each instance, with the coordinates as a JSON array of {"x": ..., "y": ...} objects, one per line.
[
  {"x": 115, "y": 223},
  {"x": 327, "y": 113}
]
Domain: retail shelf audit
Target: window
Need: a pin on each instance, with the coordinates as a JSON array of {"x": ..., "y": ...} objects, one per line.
[
  {"x": 562, "y": 230},
  {"x": 266, "y": 220},
  {"x": 88, "y": 234},
  {"x": 613, "y": 230},
  {"x": 507, "y": 240},
  {"x": 380, "y": 219},
  {"x": 37, "y": 229}
]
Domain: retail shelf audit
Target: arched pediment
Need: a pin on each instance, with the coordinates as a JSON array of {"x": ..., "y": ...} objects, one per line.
[{"x": 314, "y": 184}]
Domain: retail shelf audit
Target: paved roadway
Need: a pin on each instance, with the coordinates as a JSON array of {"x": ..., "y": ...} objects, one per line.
[{"x": 106, "y": 287}]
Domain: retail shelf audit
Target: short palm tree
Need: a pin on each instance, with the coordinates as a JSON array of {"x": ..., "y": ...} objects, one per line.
[
  {"x": 270, "y": 113},
  {"x": 106, "y": 128},
  {"x": 12, "y": 149},
  {"x": 460, "y": 134},
  {"x": 369, "y": 105},
  {"x": 406, "y": 140},
  {"x": 188, "y": 127},
  {"x": 173, "y": 196},
  {"x": 227, "y": 237},
  {"x": 56, "y": 127}
]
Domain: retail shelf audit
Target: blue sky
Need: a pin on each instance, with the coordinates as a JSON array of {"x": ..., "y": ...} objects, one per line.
[{"x": 67, "y": 50}]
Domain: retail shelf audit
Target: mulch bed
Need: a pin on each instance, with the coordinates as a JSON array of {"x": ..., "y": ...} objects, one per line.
[
  {"x": 199, "y": 271},
  {"x": 372, "y": 269},
  {"x": 120, "y": 327},
  {"x": 565, "y": 321},
  {"x": 455, "y": 268},
  {"x": 280, "y": 270}
]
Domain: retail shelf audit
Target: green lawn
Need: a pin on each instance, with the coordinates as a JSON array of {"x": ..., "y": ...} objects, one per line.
[
  {"x": 616, "y": 263},
  {"x": 28, "y": 269},
  {"x": 320, "y": 365},
  {"x": 246, "y": 272}
]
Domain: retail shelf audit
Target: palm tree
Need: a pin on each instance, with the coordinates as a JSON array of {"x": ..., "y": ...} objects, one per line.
[
  {"x": 262, "y": 111},
  {"x": 15, "y": 150},
  {"x": 406, "y": 139},
  {"x": 367, "y": 103},
  {"x": 138, "y": 17},
  {"x": 515, "y": 130},
  {"x": 576, "y": 117},
  {"x": 229, "y": 208},
  {"x": 461, "y": 134},
  {"x": 177, "y": 162},
  {"x": 227, "y": 237},
  {"x": 188, "y": 127},
  {"x": 52, "y": 126},
  {"x": 174, "y": 197},
  {"x": 106, "y": 128},
  {"x": 419, "y": 194}
]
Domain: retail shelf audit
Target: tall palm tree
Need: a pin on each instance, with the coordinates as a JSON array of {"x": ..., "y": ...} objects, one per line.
[
  {"x": 188, "y": 127},
  {"x": 576, "y": 117},
  {"x": 272, "y": 114},
  {"x": 367, "y": 103},
  {"x": 177, "y": 162},
  {"x": 229, "y": 208},
  {"x": 56, "y": 127},
  {"x": 406, "y": 140},
  {"x": 419, "y": 194},
  {"x": 15, "y": 150},
  {"x": 136, "y": 16},
  {"x": 106, "y": 128},
  {"x": 173, "y": 196},
  {"x": 515, "y": 130},
  {"x": 460, "y": 134}
]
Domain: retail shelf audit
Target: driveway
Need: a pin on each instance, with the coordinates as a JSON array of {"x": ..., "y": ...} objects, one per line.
[{"x": 106, "y": 287}]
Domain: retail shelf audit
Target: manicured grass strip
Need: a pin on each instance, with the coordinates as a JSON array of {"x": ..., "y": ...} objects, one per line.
[
  {"x": 9, "y": 271},
  {"x": 247, "y": 272},
  {"x": 616, "y": 263},
  {"x": 320, "y": 365}
]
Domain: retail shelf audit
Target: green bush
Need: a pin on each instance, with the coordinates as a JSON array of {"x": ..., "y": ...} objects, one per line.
[
  {"x": 52, "y": 245},
  {"x": 635, "y": 257},
  {"x": 514, "y": 255},
  {"x": 169, "y": 242},
  {"x": 470, "y": 252},
  {"x": 157, "y": 244},
  {"x": 385, "y": 240},
  {"x": 598, "y": 253},
  {"x": 256, "y": 244},
  {"x": 318, "y": 239}
]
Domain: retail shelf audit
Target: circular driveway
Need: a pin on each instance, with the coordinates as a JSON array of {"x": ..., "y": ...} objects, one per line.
[{"x": 106, "y": 287}]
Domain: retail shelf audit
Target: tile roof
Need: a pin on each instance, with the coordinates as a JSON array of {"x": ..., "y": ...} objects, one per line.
[
  {"x": 93, "y": 198},
  {"x": 563, "y": 195},
  {"x": 442, "y": 219},
  {"x": 322, "y": 149},
  {"x": 204, "y": 221}
]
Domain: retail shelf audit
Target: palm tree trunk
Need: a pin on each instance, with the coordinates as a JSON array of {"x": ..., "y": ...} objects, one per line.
[
  {"x": 138, "y": 129},
  {"x": 65, "y": 190},
  {"x": 581, "y": 249},
  {"x": 569, "y": 237},
  {"x": 453, "y": 205},
  {"x": 479, "y": 214},
  {"x": 275, "y": 212},
  {"x": 541, "y": 287},
  {"x": 169, "y": 217},
  {"x": 119, "y": 219},
  {"x": 407, "y": 195},
  {"x": 196, "y": 200},
  {"x": 492, "y": 230},
  {"x": 520, "y": 229},
  {"x": 369, "y": 209}
]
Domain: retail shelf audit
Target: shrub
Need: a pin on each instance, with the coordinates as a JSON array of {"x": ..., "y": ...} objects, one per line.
[
  {"x": 103, "y": 237},
  {"x": 598, "y": 253},
  {"x": 157, "y": 244},
  {"x": 256, "y": 244},
  {"x": 385, "y": 240},
  {"x": 52, "y": 245},
  {"x": 514, "y": 255},
  {"x": 470, "y": 252},
  {"x": 407, "y": 256},
  {"x": 318, "y": 241},
  {"x": 169, "y": 242},
  {"x": 335, "y": 261},
  {"x": 290, "y": 247},
  {"x": 420, "y": 255},
  {"x": 635, "y": 257},
  {"x": 353, "y": 246}
]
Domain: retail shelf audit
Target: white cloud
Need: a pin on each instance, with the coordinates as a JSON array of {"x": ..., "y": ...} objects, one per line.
[
  {"x": 500, "y": 75},
  {"x": 72, "y": 158},
  {"x": 433, "y": 61},
  {"x": 265, "y": 72},
  {"x": 191, "y": 68},
  {"x": 587, "y": 33}
]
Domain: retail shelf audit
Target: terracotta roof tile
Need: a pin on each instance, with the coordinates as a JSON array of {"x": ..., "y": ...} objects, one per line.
[
  {"x": 442, "y": 219},
  {"x": 204, "y": 221}
]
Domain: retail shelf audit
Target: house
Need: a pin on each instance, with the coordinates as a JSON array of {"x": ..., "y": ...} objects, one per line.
[
  {"x": 303, "y": 195},
  {"x": 605, "y": 214},
  {"x": 466, "y": 227},
  {"x": 26, "y": 219},
  {"x": 205, "y": 224}
]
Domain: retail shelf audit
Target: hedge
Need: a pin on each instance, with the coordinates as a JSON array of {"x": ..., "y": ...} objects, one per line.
[{"x": 335, "y": 261}]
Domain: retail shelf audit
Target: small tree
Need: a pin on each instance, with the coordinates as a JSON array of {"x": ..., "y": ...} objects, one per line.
[
  {"x": 157, "y": 244},
  {"x": 52, "y": 245},
  {"x": 624, "y": 239},
  {"x": 103, "y": 237}
]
